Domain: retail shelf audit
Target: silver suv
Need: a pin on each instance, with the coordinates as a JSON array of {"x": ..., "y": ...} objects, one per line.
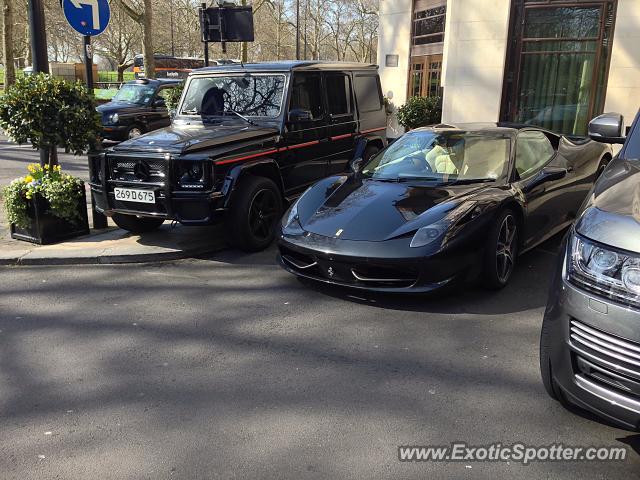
[{"x": 590, "y": 341}]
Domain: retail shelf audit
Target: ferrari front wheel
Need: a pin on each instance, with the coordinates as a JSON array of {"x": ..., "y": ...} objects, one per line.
[{"x": 501, "y": 251}]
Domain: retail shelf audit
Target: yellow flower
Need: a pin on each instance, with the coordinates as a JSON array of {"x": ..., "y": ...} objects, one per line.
[
  {"x": 32, "y": 168},
  {"x": 28, "y": 179}
]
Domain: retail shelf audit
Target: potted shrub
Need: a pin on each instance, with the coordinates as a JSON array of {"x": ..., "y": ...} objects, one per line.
[
  {"x": 419, "y": 112},
  {"x": 48, "y": 206}
]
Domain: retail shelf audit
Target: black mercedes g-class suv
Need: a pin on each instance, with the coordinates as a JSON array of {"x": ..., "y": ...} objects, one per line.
[{"x": 246, "y": 139}]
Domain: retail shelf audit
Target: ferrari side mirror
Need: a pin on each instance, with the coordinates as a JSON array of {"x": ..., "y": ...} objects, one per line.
[{"x": 607, "y": 128}]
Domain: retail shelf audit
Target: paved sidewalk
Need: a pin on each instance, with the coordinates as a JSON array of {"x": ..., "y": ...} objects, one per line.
[{"x": 114, "y": 245}]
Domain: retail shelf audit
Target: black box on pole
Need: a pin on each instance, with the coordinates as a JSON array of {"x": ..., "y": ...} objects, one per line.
[{"x": 227, "y": 24}]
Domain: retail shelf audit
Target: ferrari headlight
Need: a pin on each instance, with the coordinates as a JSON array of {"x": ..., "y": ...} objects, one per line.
[
  {"x": 114, "y": 118},
  {"x": 426, "y": 235},
  {"x": 437, "y": 230},
  {"x": 291, "y": 221},
  {"x": 603, "y": 270}
]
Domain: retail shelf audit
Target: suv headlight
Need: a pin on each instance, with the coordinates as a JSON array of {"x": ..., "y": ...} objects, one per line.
[
  {"x": 437, "y": 230},
  {"x": 113, "y": 119},
  {"x": 604, "y": 270}
]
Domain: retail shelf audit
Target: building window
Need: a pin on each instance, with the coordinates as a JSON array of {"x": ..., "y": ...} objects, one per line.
[
  {"x": 428, "y": 26},
  {"x": 425, "y": 76},
  {"x": 557, "y": 64}
]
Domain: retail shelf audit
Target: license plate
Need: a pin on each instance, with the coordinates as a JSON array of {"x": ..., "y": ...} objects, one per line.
[{"x": 134, "y": 195}]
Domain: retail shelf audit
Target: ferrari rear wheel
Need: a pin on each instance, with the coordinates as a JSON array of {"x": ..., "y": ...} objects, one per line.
[{"x": 501, "y": 251}]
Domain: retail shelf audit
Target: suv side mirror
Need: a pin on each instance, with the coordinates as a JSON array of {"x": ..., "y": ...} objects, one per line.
[
  {"x": 159, "y": 102},
  {"x": 607, "y": 128},
  {"x": 298, "y": 115}
]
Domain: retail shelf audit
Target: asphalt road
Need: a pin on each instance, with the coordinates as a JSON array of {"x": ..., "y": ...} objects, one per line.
[
  {"x": 228, "y": 367},
  {"x": 15, "y": 158}
]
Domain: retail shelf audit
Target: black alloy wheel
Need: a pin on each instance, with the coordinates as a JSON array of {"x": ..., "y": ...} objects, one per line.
[
  {"x": 256, "y": 209},
  {"x": 501, "y": 251},
  {"x": 506, "y": 248},
  {"x": 263, "y": 214}
]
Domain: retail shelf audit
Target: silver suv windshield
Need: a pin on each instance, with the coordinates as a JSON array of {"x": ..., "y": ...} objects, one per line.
[{"x": 249, "y": 95}]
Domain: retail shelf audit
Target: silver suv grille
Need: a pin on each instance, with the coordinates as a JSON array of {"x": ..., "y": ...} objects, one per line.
[{"x": 607, "y": 348}]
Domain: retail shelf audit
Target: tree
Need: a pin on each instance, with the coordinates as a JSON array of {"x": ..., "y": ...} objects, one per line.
[
  {"x": 49, "y": 112},
  {"x": 119, "y": 42},
  {"x": 143, "y": 16},
  {"x": 7, "y": 43}
]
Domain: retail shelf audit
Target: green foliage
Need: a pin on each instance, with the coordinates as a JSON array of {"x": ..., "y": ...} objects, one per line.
[
  {"x": 419, "y": 112},
  {"x": 62, "y": 191},
  {"x": 47, "y": 111},
  {"x": 105, "y": 76},
  {"x": 173, "y": 96}
]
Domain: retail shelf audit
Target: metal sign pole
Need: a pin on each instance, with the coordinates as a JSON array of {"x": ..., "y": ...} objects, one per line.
[
  {"x": 39, "y": 58},
  {"x": 99, "y": 219}
]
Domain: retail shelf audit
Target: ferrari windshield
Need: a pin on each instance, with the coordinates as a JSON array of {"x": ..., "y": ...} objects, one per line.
[
  {"x": 447, "y": 156},
  {"x": 240, "y": 94}
]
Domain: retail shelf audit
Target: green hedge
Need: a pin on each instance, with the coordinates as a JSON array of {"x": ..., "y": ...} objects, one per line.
[{"x": 113, "y": 76}]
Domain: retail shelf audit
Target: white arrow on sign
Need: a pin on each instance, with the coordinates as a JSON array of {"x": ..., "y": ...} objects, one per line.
[{"x": 95, "y": 10}]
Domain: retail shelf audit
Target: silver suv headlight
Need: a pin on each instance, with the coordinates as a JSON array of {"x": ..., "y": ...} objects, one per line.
[{"x": 603, "y": 270}]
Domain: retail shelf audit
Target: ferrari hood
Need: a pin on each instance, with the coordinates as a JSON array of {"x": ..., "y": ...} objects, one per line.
[{"x": 375, "y": 211}]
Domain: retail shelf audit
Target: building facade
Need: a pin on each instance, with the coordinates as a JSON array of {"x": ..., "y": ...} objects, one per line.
[{"x": 553, "y": 63}]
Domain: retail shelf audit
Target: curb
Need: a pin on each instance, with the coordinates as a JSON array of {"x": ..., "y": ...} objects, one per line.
[
  {"x": 109, "y": 259},
  {"x": 112, "y": 252}
]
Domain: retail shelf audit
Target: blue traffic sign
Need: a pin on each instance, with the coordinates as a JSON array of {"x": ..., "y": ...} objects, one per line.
[{"x": 88, "y": 17}]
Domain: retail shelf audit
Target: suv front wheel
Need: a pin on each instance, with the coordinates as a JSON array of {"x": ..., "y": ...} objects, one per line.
[{"x": 256, "y": 209}]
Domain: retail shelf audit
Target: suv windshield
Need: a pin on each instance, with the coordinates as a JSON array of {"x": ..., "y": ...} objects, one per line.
[
  {"x": 134, "y": 93},
  {"x": 247, "y": 95},
  {"x": 443, "y": 157}
]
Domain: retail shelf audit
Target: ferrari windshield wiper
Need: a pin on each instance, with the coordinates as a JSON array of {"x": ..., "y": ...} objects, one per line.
[
  {"x": 409, "y": 178},
  {"x": 468, "y": 181}
]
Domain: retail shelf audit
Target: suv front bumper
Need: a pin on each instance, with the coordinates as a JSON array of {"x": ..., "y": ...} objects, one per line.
[
  {"x": 186, "y": 207},
  {"x": 595, "y": 352}
]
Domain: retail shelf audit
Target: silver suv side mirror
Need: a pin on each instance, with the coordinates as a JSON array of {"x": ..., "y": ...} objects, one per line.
[{"x": 607, "y": 128}]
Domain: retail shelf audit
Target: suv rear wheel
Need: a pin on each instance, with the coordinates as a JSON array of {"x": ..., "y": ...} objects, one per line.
[
  {"x": 136, "y": 224},
  {"x": 254, "y": 214}
]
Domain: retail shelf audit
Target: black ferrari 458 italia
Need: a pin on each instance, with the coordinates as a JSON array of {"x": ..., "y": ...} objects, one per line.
[{"x": 440, "y": 204}]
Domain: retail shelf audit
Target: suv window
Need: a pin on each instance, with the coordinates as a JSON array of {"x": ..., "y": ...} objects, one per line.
[
  {"x": 339, "y": 94},
  {"x": 533, "y": 151},
  {"x": 368, "y": 93},
  {"x": 306, "y": 94}
]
